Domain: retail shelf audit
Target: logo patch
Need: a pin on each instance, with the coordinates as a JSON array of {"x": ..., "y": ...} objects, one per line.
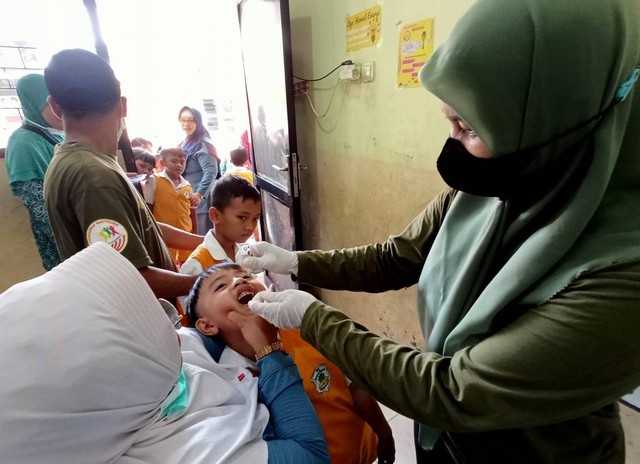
[
  {"x": 110, "y": 232},
  {"x": 321, "y": 378}
]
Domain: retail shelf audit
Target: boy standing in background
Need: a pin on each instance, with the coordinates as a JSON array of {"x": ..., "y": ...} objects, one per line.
[
  {"x": 169, "y": 195},
  {"x": 235, "y": 211},
  {"x": 239, "y": 157}
]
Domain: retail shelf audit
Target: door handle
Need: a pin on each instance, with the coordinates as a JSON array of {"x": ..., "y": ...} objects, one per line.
[{"x": 280, "y": 168}]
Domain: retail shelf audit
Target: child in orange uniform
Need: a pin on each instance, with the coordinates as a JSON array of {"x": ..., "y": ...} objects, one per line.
[{"x": 169, "y": 195}]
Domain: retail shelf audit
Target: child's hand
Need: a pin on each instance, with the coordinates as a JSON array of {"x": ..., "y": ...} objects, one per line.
[
  {"x": 255, "y": 330},
  {"x": 386, "y": 448},
  {"x": 195, "y": 199}
]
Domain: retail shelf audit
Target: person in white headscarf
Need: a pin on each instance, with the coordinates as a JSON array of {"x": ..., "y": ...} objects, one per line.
[{"x": 93, "y": 372}]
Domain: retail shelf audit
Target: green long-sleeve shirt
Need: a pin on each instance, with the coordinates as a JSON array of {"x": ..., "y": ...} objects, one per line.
[{"x": 541, "y": 389}]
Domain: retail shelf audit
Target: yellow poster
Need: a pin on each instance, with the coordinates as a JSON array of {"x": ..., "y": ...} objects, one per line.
[
  {"x": 416, "y": 46},
  {"x": 363, "y": 29}
]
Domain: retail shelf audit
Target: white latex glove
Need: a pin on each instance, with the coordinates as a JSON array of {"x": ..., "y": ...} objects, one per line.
[
  {"x": 263, "y": 256},
  {"x": 283, "y": 309}
]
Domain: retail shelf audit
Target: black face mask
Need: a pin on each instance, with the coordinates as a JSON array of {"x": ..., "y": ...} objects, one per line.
[
  {"x": 522, "y": 173},
  {"x": 486, "y": 177}
]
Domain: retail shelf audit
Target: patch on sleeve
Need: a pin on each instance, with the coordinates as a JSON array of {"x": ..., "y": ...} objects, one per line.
[
  {"x": 110, "y": 232},
  {"x": 321, "y": 377}
]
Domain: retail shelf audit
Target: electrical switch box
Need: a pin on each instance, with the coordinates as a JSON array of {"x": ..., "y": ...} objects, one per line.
[{"x": 368, "y": 71}]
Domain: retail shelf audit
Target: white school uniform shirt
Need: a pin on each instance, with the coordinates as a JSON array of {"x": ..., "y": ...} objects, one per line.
[{"x": 193, "y": 267}]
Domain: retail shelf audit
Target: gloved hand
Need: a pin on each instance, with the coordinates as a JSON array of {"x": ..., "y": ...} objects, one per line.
[
  {"x": 282, "y": 309},
  {"x": 263, "y": 256}
]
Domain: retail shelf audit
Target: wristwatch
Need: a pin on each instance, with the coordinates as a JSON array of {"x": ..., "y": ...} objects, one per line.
[{"x": 265, "y": 350}]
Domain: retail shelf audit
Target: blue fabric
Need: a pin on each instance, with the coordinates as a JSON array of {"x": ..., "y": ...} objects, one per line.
[
  {"x": 214, "y": 345},
  {"x": 294, "y": 434},
  {"x": 200, "y": 170}
]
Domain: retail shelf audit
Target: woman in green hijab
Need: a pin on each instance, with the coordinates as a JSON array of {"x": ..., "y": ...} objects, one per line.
[
  {"x": 528, "y": 267},
  {"x": 29, "y": 152}
]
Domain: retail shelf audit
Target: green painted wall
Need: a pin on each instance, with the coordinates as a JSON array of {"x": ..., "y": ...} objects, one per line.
[{"x": 371, "y": 159}]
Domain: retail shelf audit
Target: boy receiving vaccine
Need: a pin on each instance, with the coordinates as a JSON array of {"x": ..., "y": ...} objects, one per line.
[{"x": 354, "y": 425}]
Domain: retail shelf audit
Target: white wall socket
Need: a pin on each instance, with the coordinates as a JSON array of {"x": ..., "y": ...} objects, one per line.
[{"x": 350, "y": 72}]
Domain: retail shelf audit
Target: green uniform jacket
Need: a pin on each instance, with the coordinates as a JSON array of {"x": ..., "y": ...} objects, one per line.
[
  {"x": 541, "y": 389},
  {"x": 89, "y": 199}
]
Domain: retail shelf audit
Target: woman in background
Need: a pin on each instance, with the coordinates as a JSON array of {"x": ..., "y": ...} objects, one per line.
[
  {"x": 29, "y": 152},
  {"x": 202, "y": 163}
]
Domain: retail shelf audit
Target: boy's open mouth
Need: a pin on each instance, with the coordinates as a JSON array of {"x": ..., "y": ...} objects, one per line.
[{"x": 245, "y": 296}]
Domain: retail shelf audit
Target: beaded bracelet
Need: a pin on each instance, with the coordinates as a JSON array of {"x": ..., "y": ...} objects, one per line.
[{"x": 275, "y": 346}]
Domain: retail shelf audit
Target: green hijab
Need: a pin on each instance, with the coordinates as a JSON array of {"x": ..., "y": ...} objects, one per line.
[
  {"x": 33, "y": 94},
  {"x": 28, "y": 153},
  {"x": 520, "y": 73}
]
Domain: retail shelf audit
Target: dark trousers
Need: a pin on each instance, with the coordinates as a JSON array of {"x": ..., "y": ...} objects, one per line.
[{"x": 438, "y": 455}]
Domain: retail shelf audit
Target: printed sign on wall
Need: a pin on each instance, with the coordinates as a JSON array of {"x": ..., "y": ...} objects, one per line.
[
  {"x": 416, "y": 46},
  {"x": 363, "y": 29}
]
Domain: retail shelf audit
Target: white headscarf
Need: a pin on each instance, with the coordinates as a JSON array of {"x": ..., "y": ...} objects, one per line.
[{"x": 88, "y": 355}]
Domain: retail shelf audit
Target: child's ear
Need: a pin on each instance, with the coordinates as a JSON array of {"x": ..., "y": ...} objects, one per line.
[
  {"x": 161, "y": 163},
  {"x": 214, "y": 215},
  {"x": 207, "y": 328}
]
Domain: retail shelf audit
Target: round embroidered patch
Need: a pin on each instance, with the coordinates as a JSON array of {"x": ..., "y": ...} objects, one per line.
[{"x": 108, "y": 231}]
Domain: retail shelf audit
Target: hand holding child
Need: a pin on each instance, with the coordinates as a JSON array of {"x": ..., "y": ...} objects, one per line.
[
  {"x": 255, "y": 330},
  {"x": 195, "y": 199}
]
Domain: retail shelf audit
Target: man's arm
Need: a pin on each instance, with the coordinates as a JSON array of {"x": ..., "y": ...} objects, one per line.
[
  {"x": 167, "y": 284},
  {"x": 178, "y": 238}
]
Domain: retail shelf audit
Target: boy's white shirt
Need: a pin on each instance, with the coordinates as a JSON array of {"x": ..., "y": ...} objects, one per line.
[{"x": 149, "y": 189}]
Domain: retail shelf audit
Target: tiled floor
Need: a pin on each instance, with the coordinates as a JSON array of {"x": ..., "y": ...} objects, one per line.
[{"x": 403, "y": 435}]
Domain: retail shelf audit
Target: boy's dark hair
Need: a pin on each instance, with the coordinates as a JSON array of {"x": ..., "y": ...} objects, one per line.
[
  {"x": 144, "y": 156},
  {"x": 194, "y": 294},
  {"x": 229, "y": 187},
  {"x": 238, "y": 156},
  {"x": 140, "y": 142},
  {"x": 81, "y": 83},
  {"x": 175, "y": 151}
]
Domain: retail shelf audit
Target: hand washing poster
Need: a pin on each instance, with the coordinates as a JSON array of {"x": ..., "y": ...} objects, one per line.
[
  {"x": 416, "y": 46},
  {"x": 363, "y": 29}
]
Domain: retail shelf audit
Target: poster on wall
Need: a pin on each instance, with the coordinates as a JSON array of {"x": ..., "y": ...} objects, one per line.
[
  {"x": 416, "y": 46},
  {"x": 363, "y": 29}
]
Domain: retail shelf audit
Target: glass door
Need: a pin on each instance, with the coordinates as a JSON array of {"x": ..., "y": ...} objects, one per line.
[{"x": 266, "y": 50}]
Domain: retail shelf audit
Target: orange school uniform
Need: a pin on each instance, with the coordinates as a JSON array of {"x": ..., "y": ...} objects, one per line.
[
  {"x": 349, "y": 438},
  {"x": 171, "y": 205}
]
